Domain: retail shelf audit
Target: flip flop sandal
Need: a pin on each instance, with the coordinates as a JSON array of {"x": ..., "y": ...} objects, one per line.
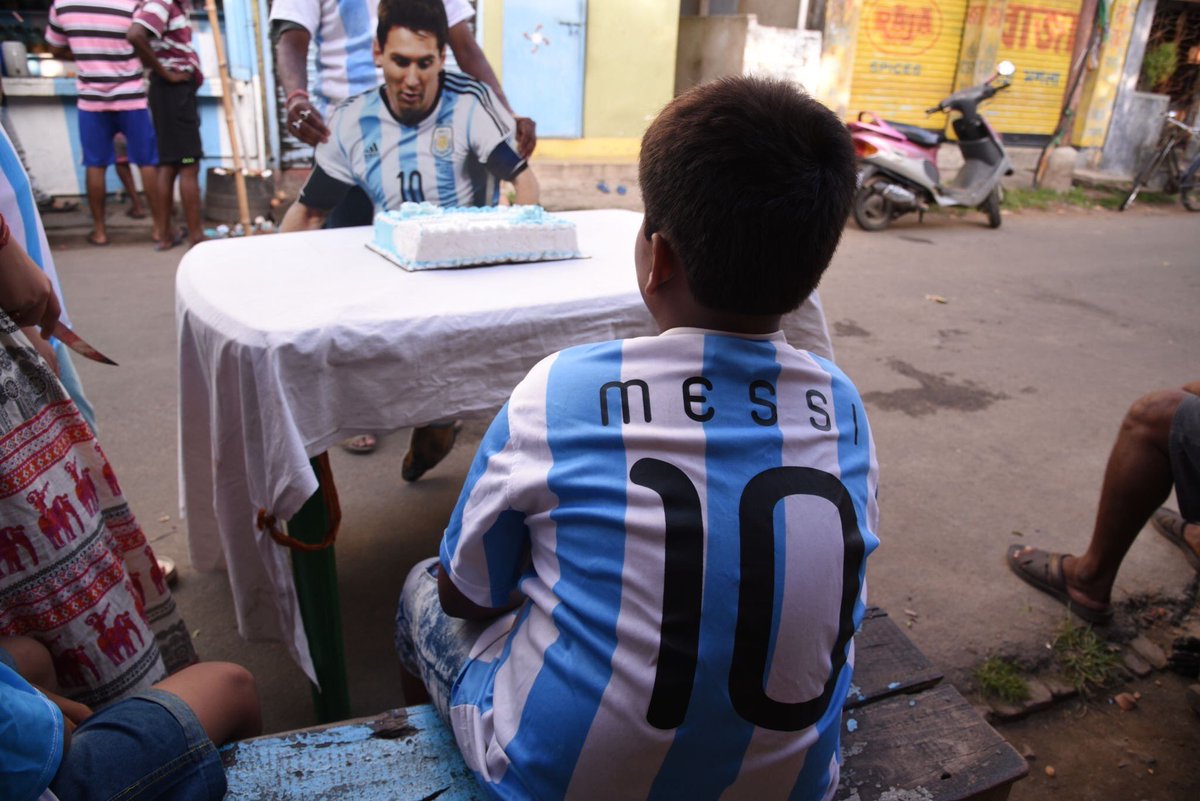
[
  {"x": 362, "y": 444},
  {"x": 1043, "y": 571},
  {"x": 428, "y": 449},
  {"x": 169, "y": 571},
  {"x": 55, "y": 206},
  {"x": 176, "y": 240},
  {"x": 1170, "y": 524}
]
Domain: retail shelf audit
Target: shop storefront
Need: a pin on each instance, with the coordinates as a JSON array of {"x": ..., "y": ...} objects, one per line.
[
  {"x": 39, "y": 91},
  {"x": 912, "y": 53}
]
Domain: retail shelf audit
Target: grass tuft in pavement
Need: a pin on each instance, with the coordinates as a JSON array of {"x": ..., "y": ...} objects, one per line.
[
  {"x": 1000, "y": 679},
  {"x": 1085, "y": 658}
]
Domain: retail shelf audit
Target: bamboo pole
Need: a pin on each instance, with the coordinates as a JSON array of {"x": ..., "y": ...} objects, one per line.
[
  {"x": 268, "y": 112},
  {"x": 239, "y": 178}
]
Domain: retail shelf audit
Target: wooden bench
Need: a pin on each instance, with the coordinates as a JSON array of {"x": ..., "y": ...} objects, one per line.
[{"x": 902, "y": 730}]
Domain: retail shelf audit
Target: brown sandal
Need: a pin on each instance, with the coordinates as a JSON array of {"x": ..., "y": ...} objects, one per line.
[{"x": 1043, "y": 571}]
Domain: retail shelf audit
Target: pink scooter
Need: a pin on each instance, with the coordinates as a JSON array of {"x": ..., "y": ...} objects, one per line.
[{"x": 897, "y": 164}]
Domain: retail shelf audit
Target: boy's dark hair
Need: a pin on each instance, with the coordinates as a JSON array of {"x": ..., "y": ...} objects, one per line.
[
  {"x": 416, "y": 15},
  {"x": 750, "y": 180}
]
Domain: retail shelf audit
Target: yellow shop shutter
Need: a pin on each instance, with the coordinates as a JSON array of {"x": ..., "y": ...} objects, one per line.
[
  {"x": 906, "y": 58},
  {"x": 1038, "y": 38}
]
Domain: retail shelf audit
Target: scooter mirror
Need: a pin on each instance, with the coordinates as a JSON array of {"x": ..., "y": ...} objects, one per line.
[{"x": 1005, "y": 68}]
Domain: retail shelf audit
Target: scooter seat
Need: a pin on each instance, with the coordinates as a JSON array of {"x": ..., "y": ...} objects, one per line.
[{"x": 919, "y": 136}]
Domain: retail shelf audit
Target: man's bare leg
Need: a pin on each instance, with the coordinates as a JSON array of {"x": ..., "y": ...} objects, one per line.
[
  {"x": 224, "y": 697},
  {"x": 95, "y": 193},
  {"x": 189, "y": 194},
  {"x": 1136, "y": 482}
]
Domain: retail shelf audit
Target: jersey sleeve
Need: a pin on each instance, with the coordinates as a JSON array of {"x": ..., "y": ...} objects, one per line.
[
  {"x": 152, "y": 15},
  {"x": 306, "y": 13},
  {"x": 333, "y": 156},
  {"x": 492, "y": 136},
  {"x": 31, "y": 738},
  {"x": 458, "y": 11},
  {"x": 486, "y": 544}
]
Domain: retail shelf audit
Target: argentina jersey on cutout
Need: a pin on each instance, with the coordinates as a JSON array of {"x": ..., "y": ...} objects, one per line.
[
  {"x": 455, "y": 156},
  {"x": 689, "y": 517}
]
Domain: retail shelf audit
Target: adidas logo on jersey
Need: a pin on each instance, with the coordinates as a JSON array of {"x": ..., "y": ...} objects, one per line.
[{"x": 372, "y": 151}]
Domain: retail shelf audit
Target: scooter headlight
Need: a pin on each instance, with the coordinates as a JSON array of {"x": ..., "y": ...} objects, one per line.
[{"x": 864, "y": 149}]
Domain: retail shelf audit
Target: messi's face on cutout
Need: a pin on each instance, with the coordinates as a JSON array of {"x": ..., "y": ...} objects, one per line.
[{"x": 411, "y": 62}]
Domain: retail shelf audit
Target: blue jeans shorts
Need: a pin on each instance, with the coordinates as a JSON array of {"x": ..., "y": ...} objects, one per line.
[
  {"x": 1184, "y": 446},
  {"x": 431, "y": 644},
  {"x": 97, "y": 129},
  {"x": 149, "y": 745}
]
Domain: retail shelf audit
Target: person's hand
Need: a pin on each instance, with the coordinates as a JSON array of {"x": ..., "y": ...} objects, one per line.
[
  {"x": 526, "y": 136},
  {"x": 43, "y": 347},
  {"x": 26, "y": 294},
  {"x": 304, "y": 121},
  {"x": 74, "y": 713},
  {"x": 178, "y": 76}
]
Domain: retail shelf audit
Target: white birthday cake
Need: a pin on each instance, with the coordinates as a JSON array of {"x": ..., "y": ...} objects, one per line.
[{"x": 422, "y": 236}]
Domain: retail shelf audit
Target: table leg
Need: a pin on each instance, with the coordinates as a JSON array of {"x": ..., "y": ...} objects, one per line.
[{"x": 317, "y": 590}]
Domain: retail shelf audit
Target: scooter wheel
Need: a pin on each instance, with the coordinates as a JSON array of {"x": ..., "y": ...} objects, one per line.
[
  {"x": 872, "y": 211},
  {"x": 991, "y": 207}
]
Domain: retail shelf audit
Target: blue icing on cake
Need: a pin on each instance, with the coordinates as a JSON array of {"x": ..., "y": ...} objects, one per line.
[{"x": 422, "y": 236}]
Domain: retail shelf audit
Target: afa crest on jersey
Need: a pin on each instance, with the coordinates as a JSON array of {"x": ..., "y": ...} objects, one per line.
[{"x": 443, "y": 141}]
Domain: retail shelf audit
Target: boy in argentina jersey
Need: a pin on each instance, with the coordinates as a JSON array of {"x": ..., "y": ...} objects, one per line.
[
  {"x": 425, "y": 135},
  {"x": 650, "y": 583}
]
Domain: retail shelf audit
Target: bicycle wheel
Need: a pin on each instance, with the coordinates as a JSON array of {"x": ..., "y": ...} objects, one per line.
[{"x": 1144, "y": 176}]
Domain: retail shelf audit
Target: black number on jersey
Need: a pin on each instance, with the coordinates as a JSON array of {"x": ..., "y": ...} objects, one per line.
[
  {"x": 411, "y": 190},
  {"x": 683, "y": 585}
]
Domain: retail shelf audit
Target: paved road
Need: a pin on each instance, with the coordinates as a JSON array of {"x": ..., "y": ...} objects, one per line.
[{"x": 993, "y": 413}]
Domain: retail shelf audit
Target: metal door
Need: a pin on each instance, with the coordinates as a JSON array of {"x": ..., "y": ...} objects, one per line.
[{"x": 543, "y": 63}]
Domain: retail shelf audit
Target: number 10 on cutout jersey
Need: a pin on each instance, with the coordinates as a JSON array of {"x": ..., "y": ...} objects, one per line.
[{"x": 689, "y": 516}]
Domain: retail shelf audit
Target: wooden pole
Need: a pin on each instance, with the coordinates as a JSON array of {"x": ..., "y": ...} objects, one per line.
[
  {"x": 227, "y": 101},
  {"x": 268, "y": 112}
]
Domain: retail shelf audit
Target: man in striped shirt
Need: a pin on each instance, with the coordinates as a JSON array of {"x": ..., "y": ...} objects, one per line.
[
  {"x": 112, "y": 95},
  {"x": 657, "y": 561},
  {"x": 162, "y": 36}
]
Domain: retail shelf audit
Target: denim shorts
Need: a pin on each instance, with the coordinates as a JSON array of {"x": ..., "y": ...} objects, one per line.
[
  {"x": 431, "y": 644},
  {"x": 1184, "y": 447},
  {"x": 149, "y": 745}
]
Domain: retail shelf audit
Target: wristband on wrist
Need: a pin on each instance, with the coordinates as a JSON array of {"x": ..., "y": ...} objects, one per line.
[{"x": 292, "y": 95}]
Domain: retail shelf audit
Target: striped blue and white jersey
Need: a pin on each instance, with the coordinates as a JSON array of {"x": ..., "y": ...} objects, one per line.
[
  {"x": 455, "y": 156},
  {"x": 19, "y": 208},
  {"x": 343, "y": 32},
  {"x": 688, "y": 518}
]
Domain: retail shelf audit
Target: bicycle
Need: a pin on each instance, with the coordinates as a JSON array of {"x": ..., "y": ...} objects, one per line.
[{"x": 1186, "y": 181}]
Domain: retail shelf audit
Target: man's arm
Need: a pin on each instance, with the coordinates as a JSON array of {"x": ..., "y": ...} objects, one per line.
[
  {"x": 471, "y": 60},
  {"x": 528, "y": 190},
  {"x": 291, "y": 56},
  {"x": 139, "y": 37},
  {"x": 302, "y": 218},
  {"x": 455, "y": 604}
]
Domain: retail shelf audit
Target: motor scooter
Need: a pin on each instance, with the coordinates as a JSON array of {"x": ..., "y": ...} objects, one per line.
[{"x": 897, "y": 163}]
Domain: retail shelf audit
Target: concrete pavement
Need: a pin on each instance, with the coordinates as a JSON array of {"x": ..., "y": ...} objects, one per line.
[{"x": 993, "y": 414}]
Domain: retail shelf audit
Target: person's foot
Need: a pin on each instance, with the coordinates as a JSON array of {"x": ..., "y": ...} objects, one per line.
[
  {"x": 136, "y": 213},
  {"x": 57, "y": 205},
  {"x": 362, "y": 444},
  {"x": 429, "y": 446},
  {"x": 1183, "y": 535},
  {"x": 99, "y": 240},
  {"x": 1053, "y": 574},
  {"x": 175, "y": 239}
]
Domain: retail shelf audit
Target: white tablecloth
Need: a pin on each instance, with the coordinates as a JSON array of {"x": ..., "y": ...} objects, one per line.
[{"x": 289, "y": 344}]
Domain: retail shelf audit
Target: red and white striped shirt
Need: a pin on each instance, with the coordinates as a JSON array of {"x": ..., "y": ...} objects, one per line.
[
  {"x": 167, "y": 21},
  {"x": 110, "y": 76}
]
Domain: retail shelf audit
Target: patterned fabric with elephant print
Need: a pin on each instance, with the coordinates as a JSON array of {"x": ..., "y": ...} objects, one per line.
[{"x": 76, "y": 572}]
